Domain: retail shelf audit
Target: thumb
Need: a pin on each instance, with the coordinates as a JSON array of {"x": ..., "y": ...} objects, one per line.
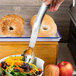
[
  {"x": 44, "y": 0},
  {"x": 48, "y": 2}
]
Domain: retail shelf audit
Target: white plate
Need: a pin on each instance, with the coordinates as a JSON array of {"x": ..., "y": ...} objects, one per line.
[{"x": 39, "y": 62}]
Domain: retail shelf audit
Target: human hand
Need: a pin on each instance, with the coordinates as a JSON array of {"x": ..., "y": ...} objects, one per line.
[{"x": 54, "y": 4}]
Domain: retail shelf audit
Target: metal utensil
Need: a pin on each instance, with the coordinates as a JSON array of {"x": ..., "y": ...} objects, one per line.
[
  {"x": 35, "y": 32},
  {"x": 74, "y": 2}
]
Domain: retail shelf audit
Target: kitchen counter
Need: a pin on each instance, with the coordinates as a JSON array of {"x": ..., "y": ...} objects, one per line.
[{"x": 63, "y": 52}]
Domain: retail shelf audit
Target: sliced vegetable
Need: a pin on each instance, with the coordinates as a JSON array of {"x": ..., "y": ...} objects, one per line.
[
  {"x": 1, "y": 71},
  {"x": 15, "y": 66}
]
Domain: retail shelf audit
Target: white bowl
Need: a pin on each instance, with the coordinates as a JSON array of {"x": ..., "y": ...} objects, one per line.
[{"x": 39, "y": 62}]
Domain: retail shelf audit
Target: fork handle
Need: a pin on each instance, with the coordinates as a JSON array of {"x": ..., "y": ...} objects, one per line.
[{"x": 37, "y": 24}]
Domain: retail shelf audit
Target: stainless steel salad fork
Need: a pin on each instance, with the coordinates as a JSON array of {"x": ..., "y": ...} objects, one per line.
[{"x": 34, "y": 34}]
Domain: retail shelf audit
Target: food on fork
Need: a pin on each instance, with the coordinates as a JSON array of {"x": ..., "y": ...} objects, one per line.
[
  {"x": 12, "y": 25},
  {"x": 48, "y": 26},
  {"x": 15, "y": 66}
]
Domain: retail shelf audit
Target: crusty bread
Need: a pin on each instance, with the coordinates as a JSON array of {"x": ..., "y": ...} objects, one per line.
[
  {"x": 48, "y": 26},
  {"x": 12, "y": 26}
]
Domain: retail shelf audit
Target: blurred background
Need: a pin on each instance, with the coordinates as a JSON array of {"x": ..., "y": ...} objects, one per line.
[{"x": 31, "y": 7}]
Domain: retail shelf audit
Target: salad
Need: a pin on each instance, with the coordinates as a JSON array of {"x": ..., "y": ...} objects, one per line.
[{"x": 15, "y": 66}]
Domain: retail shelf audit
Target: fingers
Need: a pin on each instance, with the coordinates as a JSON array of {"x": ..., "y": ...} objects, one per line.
[
  {"x": 55, "y": 5},
  {"x": 59, "y": 2}
]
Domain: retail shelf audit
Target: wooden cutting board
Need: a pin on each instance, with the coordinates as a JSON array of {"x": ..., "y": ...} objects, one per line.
[{"x": 48, "y": 51}]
